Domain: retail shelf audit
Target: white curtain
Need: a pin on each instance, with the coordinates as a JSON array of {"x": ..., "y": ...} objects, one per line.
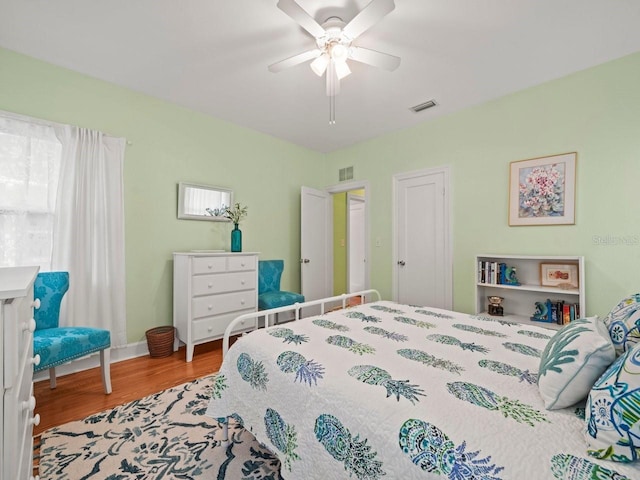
[
  {"x": 88, "y": 235},
  {"x": 29, "y": 173}
]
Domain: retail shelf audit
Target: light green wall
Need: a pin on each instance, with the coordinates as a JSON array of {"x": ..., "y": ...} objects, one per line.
[
  {"x": 172, "y": 144},
  {"x": 595, "y": 112}
]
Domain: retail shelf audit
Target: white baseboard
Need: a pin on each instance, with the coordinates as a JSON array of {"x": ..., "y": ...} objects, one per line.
[{"x": 118, "y": 354}]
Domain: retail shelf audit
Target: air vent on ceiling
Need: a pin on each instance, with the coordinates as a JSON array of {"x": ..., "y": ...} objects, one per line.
[
  {"x": 346, "y": 174},
  {"x": 423, "y": 106}
]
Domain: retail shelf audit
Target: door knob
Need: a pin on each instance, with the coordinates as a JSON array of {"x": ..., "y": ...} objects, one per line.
[
  {"x": 304, "y": 260},
  {"x": 401, "y": 263}
]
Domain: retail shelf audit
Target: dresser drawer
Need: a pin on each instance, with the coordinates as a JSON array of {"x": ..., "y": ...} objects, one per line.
[
  {"x": 24, "y": 443},
  {"x": 209, "y": 265},
  {"x": 215, "y": 326},
  {"x": 242, "y": 262},
  {"x": 25, "y": 324},
  {"x": 226, "y": 302},
  {"x": 17, "y": 427},
  {"x": 18, "y": 315},
  {"x": 222, "y": 283}
]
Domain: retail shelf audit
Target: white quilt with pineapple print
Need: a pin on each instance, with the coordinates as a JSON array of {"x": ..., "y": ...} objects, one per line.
[{"x": 390, "y": 391}]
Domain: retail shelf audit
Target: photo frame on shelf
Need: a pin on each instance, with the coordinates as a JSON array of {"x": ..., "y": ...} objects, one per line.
[
  {"x": 542, "y": 190},
  {"x": 559, "y": 275}
]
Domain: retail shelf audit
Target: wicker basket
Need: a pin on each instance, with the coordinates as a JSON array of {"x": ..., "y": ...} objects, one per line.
[{"x": 160, "y": 341}]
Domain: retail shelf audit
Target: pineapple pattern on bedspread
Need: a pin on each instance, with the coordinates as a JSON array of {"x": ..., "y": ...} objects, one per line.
[{"x": 378, "y": 392}]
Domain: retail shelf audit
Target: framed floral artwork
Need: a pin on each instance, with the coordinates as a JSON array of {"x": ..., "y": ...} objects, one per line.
[{"x": 542, "y": 190}]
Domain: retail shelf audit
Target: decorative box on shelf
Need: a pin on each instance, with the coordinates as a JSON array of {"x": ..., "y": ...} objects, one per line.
[{"x": 517, "y": 279}]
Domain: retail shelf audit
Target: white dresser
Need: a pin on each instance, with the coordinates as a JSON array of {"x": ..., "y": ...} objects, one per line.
[
  {"x": 17, "y": 404},
  {"x": 210, "y": 290}
]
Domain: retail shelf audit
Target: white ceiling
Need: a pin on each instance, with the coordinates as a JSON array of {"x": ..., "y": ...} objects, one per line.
[{"x": 212, "y": 55}]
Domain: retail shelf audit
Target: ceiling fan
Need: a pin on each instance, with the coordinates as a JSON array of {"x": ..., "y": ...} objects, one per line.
[{"x": 334, "y": 45}]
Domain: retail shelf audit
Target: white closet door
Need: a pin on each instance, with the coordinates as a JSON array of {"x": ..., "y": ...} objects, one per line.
[{"x": 422, "y": 260}]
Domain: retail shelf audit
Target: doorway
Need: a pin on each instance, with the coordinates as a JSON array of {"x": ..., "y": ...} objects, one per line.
[
  {"x": 349, "y": 241},
  {"x": 320, "y": 246},
  {"x": 355, "y": 242}
]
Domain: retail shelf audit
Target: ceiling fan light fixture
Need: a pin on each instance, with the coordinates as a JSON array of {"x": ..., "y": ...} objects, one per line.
[
  {"x": 338, "y": 51},
  {"x": 319, "y": 65},
  {"x": 342, "y": 69}
]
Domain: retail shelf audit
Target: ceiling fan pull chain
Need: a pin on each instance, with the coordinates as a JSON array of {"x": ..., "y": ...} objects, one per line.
[{"x": 332, "y": 110}]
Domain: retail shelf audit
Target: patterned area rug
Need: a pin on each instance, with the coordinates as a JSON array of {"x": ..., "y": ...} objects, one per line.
[{"x": 162, "y": 436}]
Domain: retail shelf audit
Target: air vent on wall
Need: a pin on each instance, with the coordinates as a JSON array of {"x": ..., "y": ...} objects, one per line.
[
  {"x": 423, "y": 106},
  {"x": 346, "y": 174}
]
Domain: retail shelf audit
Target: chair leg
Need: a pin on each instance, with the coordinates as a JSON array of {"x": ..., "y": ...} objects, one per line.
[
  {"x": 52, "y": 377},
  {"x": 105, "y": 364}
]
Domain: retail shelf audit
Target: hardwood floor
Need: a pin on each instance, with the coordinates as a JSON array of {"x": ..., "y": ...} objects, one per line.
[{"x": 81, "y": 394}]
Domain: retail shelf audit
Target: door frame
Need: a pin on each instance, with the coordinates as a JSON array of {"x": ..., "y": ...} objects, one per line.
[
  {"x": 448, "y": 257},
  {"x": 346, "y": 187}
]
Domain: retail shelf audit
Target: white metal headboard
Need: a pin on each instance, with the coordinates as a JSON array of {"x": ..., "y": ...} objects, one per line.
[{"x": 366, "y": 295}]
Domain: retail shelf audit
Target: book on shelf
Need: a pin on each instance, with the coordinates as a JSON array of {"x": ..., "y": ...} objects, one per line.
[
  {"x": 491, "y": 273},
  {"x": 556, "y": 311}
]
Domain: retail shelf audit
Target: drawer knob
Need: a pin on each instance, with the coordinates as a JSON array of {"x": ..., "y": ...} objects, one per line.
[
  {"x": 210, "y": 307},
  {"x": 35, "y": 360},
  {"x": 210, "y": 329},
  {"x": 35, "y": 421},
  {"x": 209, "y": 266},
  {"x": 29, "y": 404},
  {"x": 242, "y": 302},
  {"x": 36, "y": 303},
  {"x": 210, "y": 285},
  {"x": 241, "y": 282},
  {"x": 29, "y": 326}
]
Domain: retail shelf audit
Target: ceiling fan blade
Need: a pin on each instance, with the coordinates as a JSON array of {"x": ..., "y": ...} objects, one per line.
[
  {"x": 293, "y": 61},
  {"x": 368, "y": 17},
  {"x": 374, "y": 58},
  {"x": 306, "y": 21}
]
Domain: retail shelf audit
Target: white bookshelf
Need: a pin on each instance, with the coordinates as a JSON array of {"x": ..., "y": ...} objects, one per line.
[{"x": 519, "y": 301}]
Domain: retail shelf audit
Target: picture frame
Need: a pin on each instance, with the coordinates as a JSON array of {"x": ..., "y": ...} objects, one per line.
[
  {"x": 557, "y": 274},
  {"x": 542, "y": 190}
]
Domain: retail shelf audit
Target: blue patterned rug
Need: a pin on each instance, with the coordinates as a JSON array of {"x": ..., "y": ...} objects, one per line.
[{"x": 162, "y": 436}]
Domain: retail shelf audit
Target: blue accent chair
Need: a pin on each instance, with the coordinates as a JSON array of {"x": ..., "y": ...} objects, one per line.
[
  {"x": 269, "y": 293},
  {"x": 57, "y": 345}
]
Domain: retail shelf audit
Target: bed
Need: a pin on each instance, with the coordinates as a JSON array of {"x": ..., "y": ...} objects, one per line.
[{"x": 384, "y": 390}]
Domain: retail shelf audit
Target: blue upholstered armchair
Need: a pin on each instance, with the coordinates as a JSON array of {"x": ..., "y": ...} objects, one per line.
[
  {"x": 57, "y": 345},
  {"x": 269, "y": 293}
]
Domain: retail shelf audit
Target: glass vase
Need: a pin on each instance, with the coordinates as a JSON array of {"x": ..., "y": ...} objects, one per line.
[{"x": 236, "y": 239}]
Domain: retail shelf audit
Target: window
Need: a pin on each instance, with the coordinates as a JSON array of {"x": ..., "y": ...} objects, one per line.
[{"x": 30, "y": 157}]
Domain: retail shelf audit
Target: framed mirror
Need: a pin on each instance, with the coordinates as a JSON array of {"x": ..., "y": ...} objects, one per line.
[{"x": 203, "y": 202}]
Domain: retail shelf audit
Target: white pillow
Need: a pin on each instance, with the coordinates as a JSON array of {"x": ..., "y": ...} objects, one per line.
[
  {"x": 572, "y": 361},
  {"x": 623, "y": 323}
]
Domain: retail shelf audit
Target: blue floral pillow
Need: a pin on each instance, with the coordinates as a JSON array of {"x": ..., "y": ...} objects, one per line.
[
  {"x": 572, "y": 361},
  {"x": 613, "y": 411},
  {"x": 623, "y": 323}
]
